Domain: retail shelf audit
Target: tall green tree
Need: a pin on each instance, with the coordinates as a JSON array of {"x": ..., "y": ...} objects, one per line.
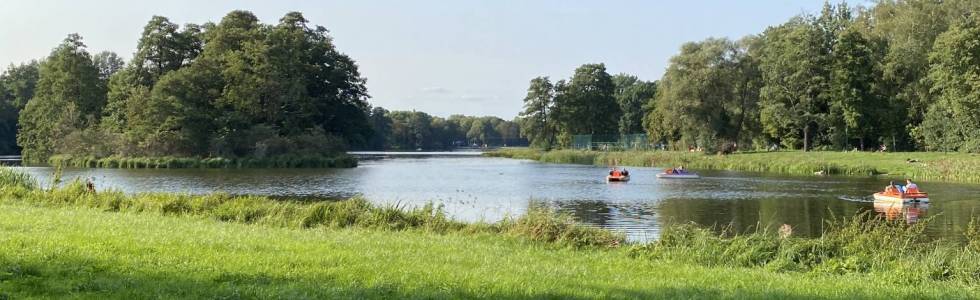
[
  {"x": 953, "y": 122},
  {"x": 68, "y": 97},
  {"x": 910, "y": 28},
  {"x": 588, "y": 104},
  {"x": 17, "y": 85},
  {"x": 633, "y": 96},
  {"x": 856, "y": 106},
  {"x": 537, "y": 121},
  {"x": 703, "y": 98},
  {"x": 796, "y": 79}
]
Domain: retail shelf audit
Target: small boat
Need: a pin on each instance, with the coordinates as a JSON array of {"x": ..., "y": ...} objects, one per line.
[
  {"x": 678, "y": 174},
  {"x": 620, "y": 178},
  {"x": 901, "y": 197}
]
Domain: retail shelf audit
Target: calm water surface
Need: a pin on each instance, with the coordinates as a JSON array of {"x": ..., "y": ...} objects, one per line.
[{"x": 480, "y": 188}]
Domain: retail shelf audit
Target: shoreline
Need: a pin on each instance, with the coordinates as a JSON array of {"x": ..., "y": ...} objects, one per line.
[
  {"x": 929, "y": 166},
  {"x": 171, "y": 162}
]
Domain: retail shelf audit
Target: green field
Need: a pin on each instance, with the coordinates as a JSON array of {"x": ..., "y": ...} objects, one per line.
[
  {"x": 90, "y": 253},
  {"x": 935, "y": 166}
]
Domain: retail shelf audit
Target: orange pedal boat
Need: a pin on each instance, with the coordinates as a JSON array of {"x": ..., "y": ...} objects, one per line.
[{"x": 894, "y": 196}]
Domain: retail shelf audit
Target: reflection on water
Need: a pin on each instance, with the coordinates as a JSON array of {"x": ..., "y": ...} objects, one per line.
[
  {"x": 480, "y": 188},
  {"x": 894, "y": 210}
]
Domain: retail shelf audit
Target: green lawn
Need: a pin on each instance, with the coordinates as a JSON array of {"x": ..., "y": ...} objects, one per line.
[
  {"x": 937, "y": 166},
  {"x": 77, "y": 252}
]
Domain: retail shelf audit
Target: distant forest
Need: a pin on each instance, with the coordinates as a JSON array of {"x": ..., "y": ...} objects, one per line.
[
  {"x": 237, "y": 88},
  {"x": 900, "y": 74}
]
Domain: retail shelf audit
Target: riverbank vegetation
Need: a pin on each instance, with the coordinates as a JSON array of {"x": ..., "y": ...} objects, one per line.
[
  {"x": 70, "y": 241},
  {"x": 896, "y": 74},
  {"x": 166, "y": 162},
  {"x": 952, "y": 167}
]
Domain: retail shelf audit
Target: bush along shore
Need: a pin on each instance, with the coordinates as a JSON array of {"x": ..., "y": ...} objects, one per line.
[
  {"x": 335, "y": 161},
  {"x": 936, "y": 166},
  {"x": 70, "y": 240}
]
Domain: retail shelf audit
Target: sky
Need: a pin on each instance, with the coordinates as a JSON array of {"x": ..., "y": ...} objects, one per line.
[{"x": 441, "y": 57}]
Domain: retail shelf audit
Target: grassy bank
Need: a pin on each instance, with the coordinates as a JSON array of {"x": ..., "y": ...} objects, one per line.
[
  {"x": 337, "y": 161},
  {"x": 539, "y": 225},
  {"x": 952, "y": 167},
  {"x": 71, "y": 242},
  {"x": 90, "y": 253}
]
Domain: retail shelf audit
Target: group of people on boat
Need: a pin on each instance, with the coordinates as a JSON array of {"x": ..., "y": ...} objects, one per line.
[
  {"x": 676, "y": 171},
  {"x": 616, "y": 172},
  {"x": 909, "y": 188}
]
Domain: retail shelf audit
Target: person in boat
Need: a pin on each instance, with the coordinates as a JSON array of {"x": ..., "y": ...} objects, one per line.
[
  {"x": 625, "y": 172},
  {"x": 890, "y": 188},
  {"x": 616, "y": 173},
  {"x": 911, "y": 187}
]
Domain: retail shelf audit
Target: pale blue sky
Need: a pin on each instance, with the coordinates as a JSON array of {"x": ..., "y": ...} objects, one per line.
[{"x": 441, "y": 57}]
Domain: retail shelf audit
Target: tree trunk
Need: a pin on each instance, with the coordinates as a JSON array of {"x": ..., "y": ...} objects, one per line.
[{"x": 806, "y": 137}]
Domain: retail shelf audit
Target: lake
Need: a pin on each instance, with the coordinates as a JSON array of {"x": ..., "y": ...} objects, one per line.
[{"x": 475, "y": 188}]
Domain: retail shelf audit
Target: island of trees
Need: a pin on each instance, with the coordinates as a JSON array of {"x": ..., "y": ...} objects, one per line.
[
  {"x": 234, "y": 89},
  {"x": 899, "y": 74}
]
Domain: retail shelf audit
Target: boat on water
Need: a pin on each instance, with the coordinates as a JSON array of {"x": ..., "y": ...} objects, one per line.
[
  {"x": 678, "y": 174},
  {"x": 891, "y": 196},
  {"x": 620, "y": 178},
  {"x": 617, "y": 175}
]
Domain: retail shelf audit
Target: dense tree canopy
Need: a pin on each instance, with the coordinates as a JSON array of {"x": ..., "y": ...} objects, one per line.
[
  {"x": 17, "y": 85},
  {"x": 238, "y": 88},
  {"x": 899, "y": 74},
  {"x": 68, "y": 99}
]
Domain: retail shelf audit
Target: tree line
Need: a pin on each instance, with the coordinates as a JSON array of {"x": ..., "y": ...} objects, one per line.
[
  {"x": 899, "y": 74},
  {"x": 236, "y": 88},
  {"x": 412, "y": 130}
]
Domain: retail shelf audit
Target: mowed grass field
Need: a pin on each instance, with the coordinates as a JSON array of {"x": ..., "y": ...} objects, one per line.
[
  {"x": 89, "y": 253},
  {"x": 934, "y": 166}
]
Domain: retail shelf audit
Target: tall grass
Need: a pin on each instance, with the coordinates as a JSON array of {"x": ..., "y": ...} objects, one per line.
[
  {"x": 338, "y": 161},
  {"x": 954, "y": 167},
  {"x": 860, "y": 244},
  {"x": 537, "y": 225}
]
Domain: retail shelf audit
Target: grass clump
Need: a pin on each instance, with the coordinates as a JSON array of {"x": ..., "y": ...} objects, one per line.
[
  {"x": 857, "y": 245},
  {"x": 282, "y": 161}
]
